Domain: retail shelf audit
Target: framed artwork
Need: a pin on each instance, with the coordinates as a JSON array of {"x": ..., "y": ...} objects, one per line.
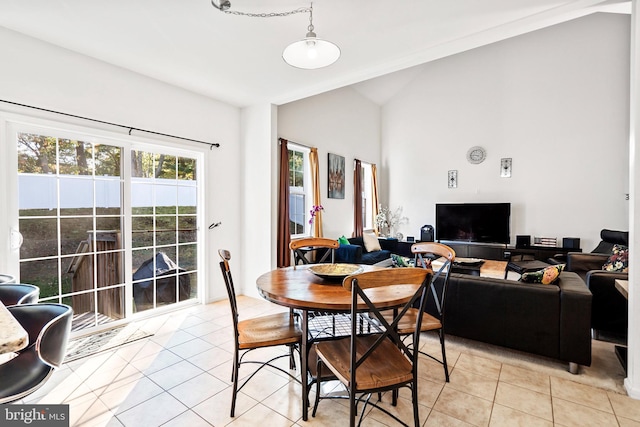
[{"x": 336, "y": 176}]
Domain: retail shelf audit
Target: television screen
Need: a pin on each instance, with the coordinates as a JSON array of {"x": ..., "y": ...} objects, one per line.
[{"x": 473, "y": 222}]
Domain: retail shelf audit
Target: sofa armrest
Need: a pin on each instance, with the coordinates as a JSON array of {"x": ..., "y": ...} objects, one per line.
[
  {"x": 575, "y": 319},
  {"x": 351, "y": 254},
  {"x": 609, "y": 312},
  {"x": 389, "y": 244},
  {"x": 580, "y": 263}
]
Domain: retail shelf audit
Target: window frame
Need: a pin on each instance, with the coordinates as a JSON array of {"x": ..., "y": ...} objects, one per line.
[
  {"x": 13, "y": 122},
  {"x": 305, "y": 190}
]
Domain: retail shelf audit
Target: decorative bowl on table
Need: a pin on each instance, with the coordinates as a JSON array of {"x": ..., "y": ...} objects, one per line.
[{"x": 335, "y": 271}]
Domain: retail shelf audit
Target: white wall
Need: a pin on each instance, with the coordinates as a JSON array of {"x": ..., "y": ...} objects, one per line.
[
  {"x": 39, "y": 74},
  {"x": 341, "y": 122},
  {"x": 556, "y": 101}
]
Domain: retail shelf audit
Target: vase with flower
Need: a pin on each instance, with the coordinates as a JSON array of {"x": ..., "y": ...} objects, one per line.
[{"x": 388, "y": 221}]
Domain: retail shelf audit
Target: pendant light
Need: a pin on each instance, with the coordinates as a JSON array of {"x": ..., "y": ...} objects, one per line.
[{"x": 311, "y": 52}]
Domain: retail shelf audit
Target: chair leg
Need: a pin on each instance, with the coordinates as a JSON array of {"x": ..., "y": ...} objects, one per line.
[
  {"x": 352, "y": 407},
  {"x": 414, "y": 398},
  {"x": 234, "y": 378},
  {"x": 292, "y": 361},
  {"x": 444, "y": 355},
  {"x": 318, "y": 376}
]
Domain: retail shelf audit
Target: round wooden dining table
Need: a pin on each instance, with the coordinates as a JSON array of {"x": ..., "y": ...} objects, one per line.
[{"x": 298, "y": 288}]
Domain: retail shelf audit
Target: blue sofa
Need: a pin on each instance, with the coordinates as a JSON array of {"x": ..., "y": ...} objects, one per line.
[{"x": 356, "y": 253}]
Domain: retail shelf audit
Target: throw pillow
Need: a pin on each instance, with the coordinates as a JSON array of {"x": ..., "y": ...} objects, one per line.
[
  {"x": 546, "y": 276},
  {"x": 399, "y": 261},
  {"x": 619, "y": 259},
  {"x": 371, "y": 242},
  {"x": 343, "y": 240}
]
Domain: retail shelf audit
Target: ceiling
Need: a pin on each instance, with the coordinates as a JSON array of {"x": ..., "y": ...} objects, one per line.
[{"x": 237, "y": 59}]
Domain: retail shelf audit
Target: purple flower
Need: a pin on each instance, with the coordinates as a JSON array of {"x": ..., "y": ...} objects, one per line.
[{"x": 314, "y": 210}]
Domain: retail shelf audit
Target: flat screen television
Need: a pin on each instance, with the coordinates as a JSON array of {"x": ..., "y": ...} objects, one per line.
[{"x": 473, "y": 222}]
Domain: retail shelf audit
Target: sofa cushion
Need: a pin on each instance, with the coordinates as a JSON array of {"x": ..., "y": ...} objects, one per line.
[
  {"x": 546, "y": 276},
  {"x": 371, "y": 242},
  {"x": 375, "y": 257},
  {"x": 619, "y": 259},
  {"x": 343, "y": 240}
]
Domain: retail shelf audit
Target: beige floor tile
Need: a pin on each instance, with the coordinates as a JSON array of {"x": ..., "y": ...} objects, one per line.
[
  {"x": 191, "y": 348},
  {"x": 431, "y": 369},
  {"x": 624, "y": 406},
  {"x": 197, "y": 389},
  {"x": 526, "y": 378},
  {"x": 571, "y": 414},
  {"x": 403, "y": 410},
  {"x": 95, "y": 414},
  {"x": 582, "y": 394},
  {"x": 287, "y": 401},
  {"x": 156, "y": 362},
  {"x": 172, "y": 339},
  {"x": 501, "y": 416},
  {"x": 477, "y": 385},
  {"x": 428, "y": 391},
  {"x": 463, "y": 406},
  {"x": 216, "y": 409},
  {"x": 523, "y": 400},
  {"x": 263, "y": 415},
  {"x": 187, "y": 419},
  {"x": 263, "y": 384},
  {"x": 153, "y": 412},
  {"x": 438, "y": 419},
  {"x": 129, "y": 395},
  {"x": 479, "y": 365},
  {"x": 175, "y": 374},
  {"x": 211, "y": 358},
  {"x": 624, "y": 422}
]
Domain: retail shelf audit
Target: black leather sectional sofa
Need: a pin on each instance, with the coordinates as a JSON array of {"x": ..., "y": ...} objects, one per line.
[{"x": 548, "y": 320}]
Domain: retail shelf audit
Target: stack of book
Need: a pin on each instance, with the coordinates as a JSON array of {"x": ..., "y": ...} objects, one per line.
[{"x": 545, "y": 241}]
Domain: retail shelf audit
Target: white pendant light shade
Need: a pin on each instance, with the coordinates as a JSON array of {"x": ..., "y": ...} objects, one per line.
[{"x": 311, "y": 53}]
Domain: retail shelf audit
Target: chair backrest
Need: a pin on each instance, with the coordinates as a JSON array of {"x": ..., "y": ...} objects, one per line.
[
  {"x": 358, "y": 284},
  {"x": 18, "y": 293},
  {"x": 48, "y": 326},
  {"x": 610, "y": 238},
  {"x": 308, "y": 250},
  {"x": 435, "y": 250},
  {"x": 225, "y": 257},
  {"x": 7, "y": 278}
]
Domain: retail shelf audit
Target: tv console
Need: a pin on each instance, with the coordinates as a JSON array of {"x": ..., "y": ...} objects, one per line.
[{"x": 494, "y": 251}]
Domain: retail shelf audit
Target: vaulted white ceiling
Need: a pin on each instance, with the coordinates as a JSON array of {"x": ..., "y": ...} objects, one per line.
[{"x": 237, "y": 59}]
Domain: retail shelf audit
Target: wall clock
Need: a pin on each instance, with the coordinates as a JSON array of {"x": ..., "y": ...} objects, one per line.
[{"x": 476, "y": 155}]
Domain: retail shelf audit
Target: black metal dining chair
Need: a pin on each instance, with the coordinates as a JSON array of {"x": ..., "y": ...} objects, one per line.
[
  {"x": 374, "y": 363},
  {"x": 48, "y": 326},
  {"x": 260, "y": 332}
]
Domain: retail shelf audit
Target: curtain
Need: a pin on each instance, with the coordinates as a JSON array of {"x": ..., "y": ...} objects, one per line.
[
  {"x": 284, "y": 236},
  {"x": 358, "y": 226},
  {"x": 374, "y": 196},
  {"x": 315, "y": 188}
]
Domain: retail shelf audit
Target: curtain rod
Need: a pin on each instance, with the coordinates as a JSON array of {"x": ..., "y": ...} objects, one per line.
[
  {"x": 295, "y": 143},
  {"x": 131, "y": 128}
]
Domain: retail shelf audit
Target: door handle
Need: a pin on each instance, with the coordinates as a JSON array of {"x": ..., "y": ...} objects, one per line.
[{"x": 16, "y": 239}]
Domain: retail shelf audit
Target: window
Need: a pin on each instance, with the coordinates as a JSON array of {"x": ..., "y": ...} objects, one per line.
[
  {"x": 109, "y": 229},
  {"x": 367, "y": 196},
  {"x": 299, "y": 190}
]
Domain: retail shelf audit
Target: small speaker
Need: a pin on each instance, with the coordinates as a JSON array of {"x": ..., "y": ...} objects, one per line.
[
  {"x": 426, "y": 233},
  {"x": 523, "y": 242},
  {"x": 571, "y": 242},
  {"x": 410, "y": 239}
]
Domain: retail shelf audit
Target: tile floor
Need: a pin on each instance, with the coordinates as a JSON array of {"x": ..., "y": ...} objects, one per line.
[{"x": 180, "y": 377}]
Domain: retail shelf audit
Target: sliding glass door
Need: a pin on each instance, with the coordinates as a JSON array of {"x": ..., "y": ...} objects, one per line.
[{"x": 108, "y": 228}]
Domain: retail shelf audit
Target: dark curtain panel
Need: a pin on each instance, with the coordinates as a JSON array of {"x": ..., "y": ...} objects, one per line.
[
  {"x": 284, "y": 236},
  {"x": 357, "y": 199}
]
